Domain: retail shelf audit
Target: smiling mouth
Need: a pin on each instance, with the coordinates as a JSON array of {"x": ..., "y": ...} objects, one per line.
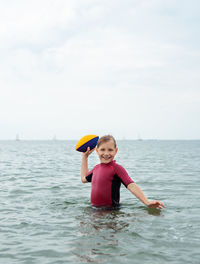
[{"x": 106, "y": 158}]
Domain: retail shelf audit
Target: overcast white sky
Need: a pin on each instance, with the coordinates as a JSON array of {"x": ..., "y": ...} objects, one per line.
[{"x": 74, "y": 67}]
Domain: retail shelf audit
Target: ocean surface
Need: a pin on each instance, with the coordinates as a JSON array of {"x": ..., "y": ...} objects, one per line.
[{"x": 46, "y": 217}]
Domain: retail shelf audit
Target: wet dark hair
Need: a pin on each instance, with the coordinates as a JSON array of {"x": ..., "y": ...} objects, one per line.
[{"x": 105, "y": 139}]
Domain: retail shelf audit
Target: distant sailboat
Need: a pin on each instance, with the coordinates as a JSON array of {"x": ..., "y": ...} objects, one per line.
[
  {"x": 139, "y": 138},
  {"x": 17, "y": 137},
  {"x": 54, "y": 138}
]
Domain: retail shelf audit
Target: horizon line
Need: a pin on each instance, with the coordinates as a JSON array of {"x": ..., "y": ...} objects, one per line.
[{"x": 122, "y": 139}]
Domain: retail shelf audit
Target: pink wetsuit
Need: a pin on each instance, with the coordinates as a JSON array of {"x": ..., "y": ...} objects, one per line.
[{"x": 106, "y": 181}]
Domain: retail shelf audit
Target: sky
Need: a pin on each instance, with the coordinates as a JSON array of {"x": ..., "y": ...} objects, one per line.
[{"x": 130, "y": 68}]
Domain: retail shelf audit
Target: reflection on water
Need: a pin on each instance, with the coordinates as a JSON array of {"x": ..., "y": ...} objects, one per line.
[
  {"x": 97, "y": 234},
  {"x": 154, "y": 211},
  {"x": 102, "y": 234}
]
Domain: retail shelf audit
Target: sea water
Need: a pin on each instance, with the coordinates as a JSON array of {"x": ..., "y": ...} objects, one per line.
[{"x": 46, "y": 217}]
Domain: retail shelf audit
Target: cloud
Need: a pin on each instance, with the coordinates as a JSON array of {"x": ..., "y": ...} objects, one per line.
[{"x": 129, "y": 62}]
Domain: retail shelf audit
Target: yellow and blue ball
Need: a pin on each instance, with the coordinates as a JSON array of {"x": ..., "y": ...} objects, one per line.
[{"x": 87, "y": 141}]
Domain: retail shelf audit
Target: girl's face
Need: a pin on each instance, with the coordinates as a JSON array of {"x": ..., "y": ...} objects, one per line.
[{"x": 106, "y": 151}]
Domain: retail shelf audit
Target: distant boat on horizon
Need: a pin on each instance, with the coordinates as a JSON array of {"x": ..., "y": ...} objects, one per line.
[
  {"x": 17, "y": 137},
  {"x": 54, "y": 138},
  {"x": 139, "y": 138}
]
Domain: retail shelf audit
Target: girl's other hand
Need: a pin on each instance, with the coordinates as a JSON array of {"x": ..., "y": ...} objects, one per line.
[{"x": 155, "y": 204}]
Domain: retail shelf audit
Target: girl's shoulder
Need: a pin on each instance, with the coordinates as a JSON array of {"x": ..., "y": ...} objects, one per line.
[
  {"x": 115, "y": 164},
  {"x": 118, "y": 168}
]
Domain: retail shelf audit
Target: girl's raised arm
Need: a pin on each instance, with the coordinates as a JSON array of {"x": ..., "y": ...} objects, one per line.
[{"x": 84, "y": 164}]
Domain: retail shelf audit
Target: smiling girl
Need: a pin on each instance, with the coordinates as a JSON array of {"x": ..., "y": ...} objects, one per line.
[{"x": 106, "y": 177}]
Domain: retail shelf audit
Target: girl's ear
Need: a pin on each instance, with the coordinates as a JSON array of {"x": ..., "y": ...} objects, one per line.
[{"x": 116, "y": 150}]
